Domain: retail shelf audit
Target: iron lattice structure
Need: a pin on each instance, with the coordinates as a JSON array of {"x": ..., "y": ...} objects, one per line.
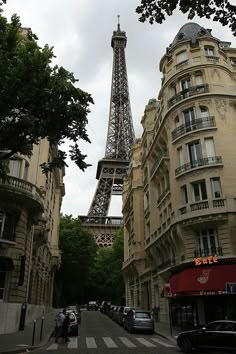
[{"x": 120, "y": 136}]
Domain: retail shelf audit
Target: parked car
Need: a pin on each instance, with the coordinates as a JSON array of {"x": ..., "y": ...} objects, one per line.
[
  {"x": 140, "y": 320},
  {"x": 105, "y": 305},
  {"x": 115, "y": 313},
  {"x": 92, "y": 305},
  {"x": 218, "y": 335},
  {"x": 123, "y": 312},
  {"x": 73, "y": 329},
  {"x": 110, "y": 311}
]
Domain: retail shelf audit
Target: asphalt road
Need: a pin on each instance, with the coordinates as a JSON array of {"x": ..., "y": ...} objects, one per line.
[{"x": 99, "y": 334}]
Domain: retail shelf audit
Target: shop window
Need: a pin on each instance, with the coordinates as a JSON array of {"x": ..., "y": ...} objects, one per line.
[
  {"x": 199, "y": 191},
  {"x": 209, "y": 51},
  {"x": 216, "y": 187},
  {"x": 2, "y": 284},
  {"x": 207, "y": 242}
]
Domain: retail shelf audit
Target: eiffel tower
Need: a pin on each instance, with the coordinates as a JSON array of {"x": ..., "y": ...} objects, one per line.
[{"x": 120, "y": 137}]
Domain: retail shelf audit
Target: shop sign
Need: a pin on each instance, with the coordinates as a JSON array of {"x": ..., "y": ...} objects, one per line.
[
  {"x": 216, "y": 292},
  {"x": 205, "y": 260}
]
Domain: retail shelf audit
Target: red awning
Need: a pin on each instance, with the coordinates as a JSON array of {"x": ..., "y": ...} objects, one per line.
[{"x": 200, "y": 281}]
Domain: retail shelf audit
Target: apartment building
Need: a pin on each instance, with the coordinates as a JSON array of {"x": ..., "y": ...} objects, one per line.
[
  {"x": 29, "y": 219},
  {"x": 182, "y": 260}
]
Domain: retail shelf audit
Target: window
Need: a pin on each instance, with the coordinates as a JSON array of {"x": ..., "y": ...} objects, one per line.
[
  {"x": 210, "y": 148},
  {"x": 209, "y": 51},
  {"x": 207, "y": 241},
  {"x": 199, "y": 84},
  {"x": 195, "y": 153},
  {"x": 146, "y": 201},
  {"x": 181, "y": 57},
  {"x": 7, "y": 225},
  {"x": 216, "y": 187},
  {"x": 184, "y": 194},
  {"x": 185, "y": 85},
  {"x": 233, "y": 61},
  {"x": 199, "y": 191},
  {"x": 181, "y": 156},
  {"x": 147, "y": 230},
  {"x": 15, "y": 167},
  {"x": 204, "y": 112},
  {"x": 189, "y": 118},
  {"x": 26, "y": 170},
  {"x": 2, "y": 284}
]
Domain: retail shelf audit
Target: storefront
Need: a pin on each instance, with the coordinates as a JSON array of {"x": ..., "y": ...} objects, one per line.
[{"x": 201, "y": 294}]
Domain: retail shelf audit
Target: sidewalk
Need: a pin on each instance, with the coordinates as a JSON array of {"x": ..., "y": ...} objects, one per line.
[
  {"x": 163, "y": 330},
  {"x": 20, "y": 341}
]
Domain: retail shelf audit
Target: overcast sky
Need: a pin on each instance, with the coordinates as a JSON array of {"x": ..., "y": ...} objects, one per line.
[{"x": 80, "y": 32}]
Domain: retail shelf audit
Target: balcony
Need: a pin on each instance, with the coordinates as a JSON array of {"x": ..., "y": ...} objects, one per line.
[
  {"x": 205, "y": 252},
  {"x": 163, "y": 155},
  {"x": 200, "y": 123},
  {"x": 168, "y": 263},
  {"x": 205, "y": 204},
  {"x": 204, "y": 162},
  {"x": 163, "y": 195},
  {"x": 213, "y": 59},
  {"x": 191, "y": 91},
  {"x": 21, "y": 191}
]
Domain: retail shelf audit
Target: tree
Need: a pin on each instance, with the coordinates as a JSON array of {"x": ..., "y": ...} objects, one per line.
[
  {"x": 106, "y": 280},
  {"x": 78, "y": 251},
  {"x": 218, "y": 10},
  {"x": 37, "y": 100}
]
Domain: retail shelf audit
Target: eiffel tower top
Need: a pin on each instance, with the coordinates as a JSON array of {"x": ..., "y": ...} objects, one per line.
[{"x": 120, "y": 135}]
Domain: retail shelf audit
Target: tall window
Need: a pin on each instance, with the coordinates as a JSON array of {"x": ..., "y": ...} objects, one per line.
[
  {"x": 199, "y": 191},
  {"x": 185, "y": 85},
  {"x": 209, "y": 51},
  {"x": 204, "y": 112},
  {"x": 195, "y": 153},
  {"x": 146, "y": 201},
  {"x": 216, "y": 187},
  {"x": 189, "y": 118},
  {"x": 199, "y": 84},
  {"x": 210, "y": 148},
  {"x": 26, "y": 170},
  {"x": 181, "y": 156},
  {"x": 184, "y": 194},
  {"x": 207, "y": 241},
  {"x": 7, "y": 225},
  {"x": 15, "y": 167}
]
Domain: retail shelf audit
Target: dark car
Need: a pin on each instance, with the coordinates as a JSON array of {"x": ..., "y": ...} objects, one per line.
[
  {"x": 139, "y": 320},
  {"x": 92, "y": 305},
  {"x": 220, "y": 335}
]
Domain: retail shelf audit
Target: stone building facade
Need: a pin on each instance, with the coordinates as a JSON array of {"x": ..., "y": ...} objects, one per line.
[
  {"x": 29, "y": 220},
  {"x": 182, "y": 259}
]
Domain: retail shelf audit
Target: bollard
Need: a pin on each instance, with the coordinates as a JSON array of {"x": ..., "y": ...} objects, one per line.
[
  {"x": 41, "y": 329},
  {"x": 33, "y": 333}
]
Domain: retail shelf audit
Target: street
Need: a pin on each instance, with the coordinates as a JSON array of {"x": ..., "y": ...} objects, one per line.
[{"x": 99, "y": 332}]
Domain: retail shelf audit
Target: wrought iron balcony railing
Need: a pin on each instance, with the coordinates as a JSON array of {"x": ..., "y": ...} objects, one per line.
[
  {"x": 167, "y": 263},
  {"x": 205, "y": 252},
  {"x": 162, "y": 155},
  {"x": 207, "y": 161},
  {"x": 163, "y": 194},
  {"x": 191, "y": 91},
  {"x": 199, "y": 123}
]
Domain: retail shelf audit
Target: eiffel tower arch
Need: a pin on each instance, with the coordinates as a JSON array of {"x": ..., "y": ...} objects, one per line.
[{"x": 120, "y": 137}]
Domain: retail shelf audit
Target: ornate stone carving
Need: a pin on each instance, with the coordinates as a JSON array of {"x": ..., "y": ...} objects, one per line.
[
  {"x": 221, "y": 107},
  {"x": 215, "y": 74}
]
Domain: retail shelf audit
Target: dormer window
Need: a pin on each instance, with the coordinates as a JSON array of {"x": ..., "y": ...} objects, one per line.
[{"x": 181, "y": 57}]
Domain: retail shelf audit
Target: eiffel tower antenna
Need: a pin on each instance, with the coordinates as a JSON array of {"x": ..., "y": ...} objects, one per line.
[{"x": 120, "y": 134}]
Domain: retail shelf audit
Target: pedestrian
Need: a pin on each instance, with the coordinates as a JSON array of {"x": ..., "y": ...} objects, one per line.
[
  {"x": 65, "y": 327},
  {"x": 60, "y": 320}
]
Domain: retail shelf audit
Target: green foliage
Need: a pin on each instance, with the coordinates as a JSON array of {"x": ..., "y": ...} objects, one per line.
[
  {"x": 78, "y": 251},
  {"x": 218, "y": 10},
  {"x": 38, "y": 100},
  {"x": 107, "y": 280}
]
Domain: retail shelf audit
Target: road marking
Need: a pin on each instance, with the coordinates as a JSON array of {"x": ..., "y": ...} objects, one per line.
[
  {"x": 127, "y": 342},
  {"x": 162, "y": 343},
  {"x": 90, "y": 342},
  {"x": 109, "y": 342},
  {"x": 53, "y": 346},
  {"x": 146, "y": 343},
  {"x": 73, "y": 343}
]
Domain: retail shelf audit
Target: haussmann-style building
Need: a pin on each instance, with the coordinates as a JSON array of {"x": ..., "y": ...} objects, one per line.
[
  {"x": 29, "y": 220},
  {"x": 179, "y": 199}
]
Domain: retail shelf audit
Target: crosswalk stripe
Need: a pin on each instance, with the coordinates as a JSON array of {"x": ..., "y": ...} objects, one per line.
[
  {"x": 90, "y": 342},
  {"x": 162, "y": 343},
  {"x": 53, "y": 346},
  {"x": 127, "y": 342},
  {"x": 73, "y": 343},
  {"x": 146, "y": 343},
  {"x": 109, "y": 342}
]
